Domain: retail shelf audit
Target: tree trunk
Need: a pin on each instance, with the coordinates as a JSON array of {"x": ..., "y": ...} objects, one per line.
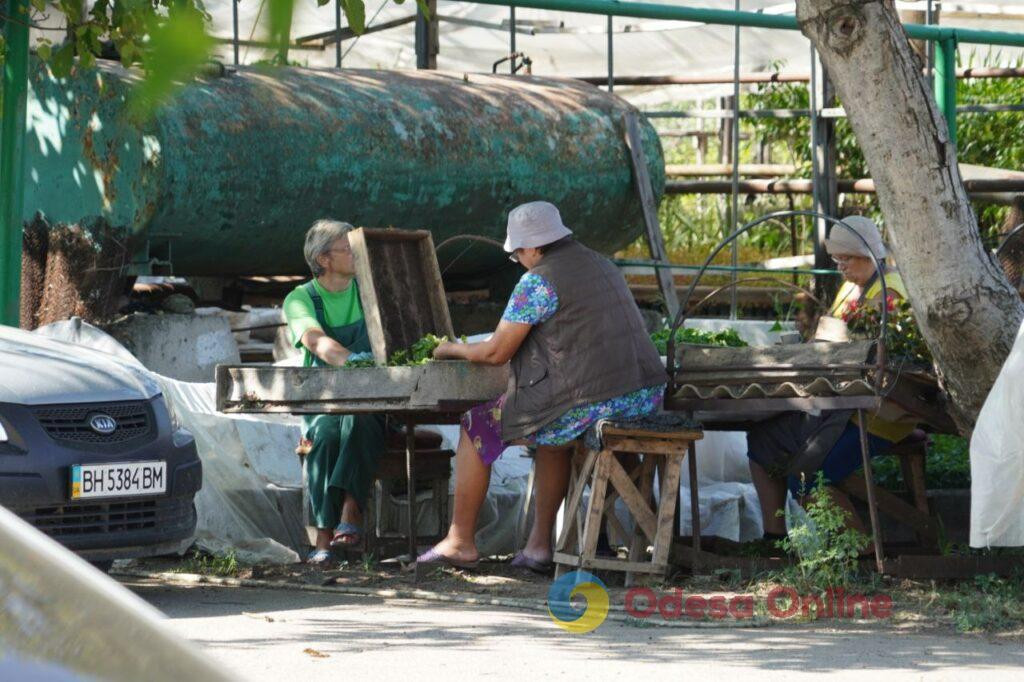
[{"x": 968, "y": 312}]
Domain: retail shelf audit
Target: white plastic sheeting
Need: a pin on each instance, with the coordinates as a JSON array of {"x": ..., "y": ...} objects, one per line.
[
  {"x": 251, "y": 478},
  {"x": 997, "y": 459},
  {"x": 573, "y": 45}
]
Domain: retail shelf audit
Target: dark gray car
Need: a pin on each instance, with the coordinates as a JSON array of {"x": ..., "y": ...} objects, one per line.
[{"x": 88, "y": 451}]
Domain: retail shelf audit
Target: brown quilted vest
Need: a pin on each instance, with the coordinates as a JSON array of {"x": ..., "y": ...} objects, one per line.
[{"x": 593, "y": 348}]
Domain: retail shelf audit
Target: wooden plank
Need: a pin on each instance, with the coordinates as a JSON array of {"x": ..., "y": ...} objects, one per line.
[
  {"x": 893, "y": 506},
  {"x": 595, "y": 507},
  {"x": 952, "y": 567},
  {"x": 667, "y": 508},
  {"x": 683, "y": 434},
  {"x": 647, "y": 446},
  {"x": 576, "y": 498},
  {"x": 608, "y": 564},
  {"x": 655, "y": 240},
  {"x": 429, "y": 387},
  {"x": 368, "y": 294},
  {"x": 400, "y": 288},
  {"x": 711, "y": 412},
  {"x": 638, "y": 506},
  {"x": 435, "y": 287}
]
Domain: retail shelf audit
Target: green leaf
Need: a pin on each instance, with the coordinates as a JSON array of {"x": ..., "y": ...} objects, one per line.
[
  {"x": 279, "y": 22},
  {"x": 39, "y": 5},
  {"x": 177, "y": 48},
  {"x": 86, "y": 59},
  {"x": 127, "y": 50},
  {"x": 44, "y": 52},
  {"x": 422, "y": 4},
  {"x": 321, "y": 3},
  {"x": 355, "y": 13},
  {"x": 62, "y": 62}
]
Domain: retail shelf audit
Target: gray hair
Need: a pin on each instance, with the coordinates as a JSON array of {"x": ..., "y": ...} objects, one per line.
[{"x": 319, "y": 239}]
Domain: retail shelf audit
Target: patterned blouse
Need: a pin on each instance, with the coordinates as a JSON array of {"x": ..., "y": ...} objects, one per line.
[{"x": 534, "y": 301}]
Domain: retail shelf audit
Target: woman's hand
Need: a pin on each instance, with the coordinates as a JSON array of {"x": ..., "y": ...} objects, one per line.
[{"x": 447, "y": 350}]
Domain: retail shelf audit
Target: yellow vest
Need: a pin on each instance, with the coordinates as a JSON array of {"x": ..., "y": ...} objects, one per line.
[{"x": 892, "y": 431}]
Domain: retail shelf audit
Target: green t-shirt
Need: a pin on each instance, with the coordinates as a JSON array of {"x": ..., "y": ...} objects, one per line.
[{"x": 340, "y": 308}]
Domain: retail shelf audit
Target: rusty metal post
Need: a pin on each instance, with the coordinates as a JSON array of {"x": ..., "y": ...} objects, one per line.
[
  {"x": 427, "y": 44},
  {"x": 869, "y": 483},
  {"x": 337, "y": 35},
  {"x": 512, "y": 38},
  {"x": 410, "y": 477},
  {"x": 234, "y": 28},
  {"x": 691, "y": 456},
  {"x": 611, "y": 56}
]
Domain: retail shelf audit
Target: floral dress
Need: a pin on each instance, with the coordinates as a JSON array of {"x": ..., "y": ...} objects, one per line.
[{"x": 533, "y": 302}]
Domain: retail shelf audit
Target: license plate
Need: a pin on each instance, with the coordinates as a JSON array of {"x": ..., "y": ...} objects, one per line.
[{"x": 89, "y": 481}]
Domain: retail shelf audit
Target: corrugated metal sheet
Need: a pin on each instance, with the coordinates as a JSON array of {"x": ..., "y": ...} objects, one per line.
[{"x": 786, "y": 371}]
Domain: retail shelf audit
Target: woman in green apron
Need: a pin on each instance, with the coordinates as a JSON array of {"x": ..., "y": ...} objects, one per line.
[{"x": 325, "y": 320}]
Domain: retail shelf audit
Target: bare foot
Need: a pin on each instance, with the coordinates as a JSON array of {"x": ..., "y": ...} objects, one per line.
[
  {"x": 541, "y": 554},
  {"x": 461, "y": 552}
]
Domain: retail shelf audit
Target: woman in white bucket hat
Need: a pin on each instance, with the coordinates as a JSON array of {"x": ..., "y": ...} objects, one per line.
[{"x": 578, "y": 352}]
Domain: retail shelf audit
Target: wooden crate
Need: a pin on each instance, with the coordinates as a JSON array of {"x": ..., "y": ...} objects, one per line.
[
  {"x": 439, "y": 386},
  {"x": 400, "y": 288}
]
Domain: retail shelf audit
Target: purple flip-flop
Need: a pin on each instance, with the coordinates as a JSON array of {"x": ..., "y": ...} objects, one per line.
[
  {"x": 520, "y": 560},
  {"x": 432, "y": 556}
]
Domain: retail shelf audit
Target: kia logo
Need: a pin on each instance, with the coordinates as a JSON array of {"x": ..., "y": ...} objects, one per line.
[{"x": 102, "y": 424}]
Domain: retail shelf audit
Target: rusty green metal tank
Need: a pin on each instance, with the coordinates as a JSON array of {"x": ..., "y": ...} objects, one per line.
[{"x": 233, "y": 171}]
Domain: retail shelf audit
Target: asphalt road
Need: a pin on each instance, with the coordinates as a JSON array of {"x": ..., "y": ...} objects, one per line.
[{"x": 263, "y": 634}]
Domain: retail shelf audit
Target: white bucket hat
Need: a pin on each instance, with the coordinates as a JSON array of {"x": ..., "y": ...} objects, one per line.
[
  {"x": 537, "y": 223},
  {"x": 842, "y": 240}
]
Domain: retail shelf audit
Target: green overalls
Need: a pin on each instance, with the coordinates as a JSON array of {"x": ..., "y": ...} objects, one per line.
[{"x": 346, "y": 447}]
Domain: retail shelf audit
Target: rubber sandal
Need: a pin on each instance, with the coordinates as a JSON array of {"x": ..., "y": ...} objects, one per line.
[
  {"x": 520, "y": 560},
  {"x": 435, "y": 558},
  {"x": 347, "y": 530}
]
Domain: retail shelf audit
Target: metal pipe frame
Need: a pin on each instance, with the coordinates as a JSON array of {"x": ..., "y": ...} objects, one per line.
[
  {"x": 803, "y": 186},
  {"x": 12, "y": 160},
  {"x": 658, "y": 265},
  {"x": 775, "y": 77},
  {"x": 785, "y": 22}
]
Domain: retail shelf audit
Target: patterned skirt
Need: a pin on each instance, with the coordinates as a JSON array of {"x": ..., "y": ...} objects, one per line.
[{"x": 483, "y": 422}]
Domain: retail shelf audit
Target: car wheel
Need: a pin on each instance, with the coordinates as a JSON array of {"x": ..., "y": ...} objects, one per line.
[{"x": 104, "y": 566}]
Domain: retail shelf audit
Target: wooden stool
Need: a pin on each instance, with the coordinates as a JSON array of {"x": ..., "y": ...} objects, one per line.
[
  {"x": 912, "y": 452},
  {"x": 622, "y": 465}
]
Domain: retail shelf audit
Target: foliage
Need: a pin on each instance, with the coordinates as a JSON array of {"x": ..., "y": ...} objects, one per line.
[
  {"x": 202, "y": 563},
  {"x": 169, "y": 38},
  {"x": 825, "y": 548},
  {"x": 419, "y": 353},
  {"x": 725, "y": 337},
  {"x": 948, "y": 466},
  {"x": 985, "y": 604},
  {"x": 903, "y": 337},
  {"x": 994, "y": 139}
]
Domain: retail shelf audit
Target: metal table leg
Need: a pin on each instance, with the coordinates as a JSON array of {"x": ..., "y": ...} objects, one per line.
[
  {"x": 410, "y": 477},
  {"x": 869, "y": 482},
  {"x": 691, "y": 456}
]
